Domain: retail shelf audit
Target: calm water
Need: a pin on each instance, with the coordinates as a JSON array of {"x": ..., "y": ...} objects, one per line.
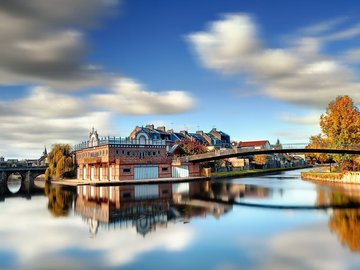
[{"x": 269, "y": 222}]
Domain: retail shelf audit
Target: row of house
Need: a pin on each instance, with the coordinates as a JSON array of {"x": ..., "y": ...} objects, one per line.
[{"x": 214, "y": 138}]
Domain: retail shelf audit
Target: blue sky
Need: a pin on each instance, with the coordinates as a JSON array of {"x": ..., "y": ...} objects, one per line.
[{"x": 254, "y": 69}]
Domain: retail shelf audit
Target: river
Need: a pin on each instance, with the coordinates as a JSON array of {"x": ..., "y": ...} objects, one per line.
[{"x": 266, "y": 222}]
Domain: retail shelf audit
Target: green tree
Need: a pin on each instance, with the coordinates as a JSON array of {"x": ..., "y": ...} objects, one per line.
[{"x": 60, "y": 162}]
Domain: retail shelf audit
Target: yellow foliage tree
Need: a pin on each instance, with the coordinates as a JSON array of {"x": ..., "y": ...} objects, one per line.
[
  {"x": 340, "y": 126},
  {"x": 341, "y": 122},
  {"x": 316, "y": 142},
  {"x": 60, "y": 162}
]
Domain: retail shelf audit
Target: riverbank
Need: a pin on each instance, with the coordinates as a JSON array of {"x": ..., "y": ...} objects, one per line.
[
  {"x": 80, "y": 182},
  {"x": 255, "y": 172},
  {"x": 344, "y": 178}
]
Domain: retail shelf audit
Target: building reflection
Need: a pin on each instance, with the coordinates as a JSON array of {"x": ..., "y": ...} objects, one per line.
[{"x": 148, "y": 207}]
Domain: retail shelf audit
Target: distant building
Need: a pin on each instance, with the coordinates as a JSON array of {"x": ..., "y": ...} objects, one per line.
[
  {"x": 214, "y": 139},
  {"x": 255, "y": 145},
  {"x": 13, "y": 162}
]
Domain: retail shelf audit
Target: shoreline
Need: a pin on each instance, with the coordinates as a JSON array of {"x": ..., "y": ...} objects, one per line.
[
  {"x": 327, "y": 177},
  {"x": 79, "y": 182}
]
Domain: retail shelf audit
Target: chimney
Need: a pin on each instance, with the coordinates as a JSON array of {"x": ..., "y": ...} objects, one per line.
[
  {"x": 171, "y": 131},
  {"x": 161, "y": 128},
  {"x": 151, "y": 127},
  {"x": 184, "y": 132},
  {"x": 200, "y": 132}
]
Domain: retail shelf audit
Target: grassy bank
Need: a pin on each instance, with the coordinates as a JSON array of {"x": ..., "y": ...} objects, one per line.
[{"x": 255, "y": 172}]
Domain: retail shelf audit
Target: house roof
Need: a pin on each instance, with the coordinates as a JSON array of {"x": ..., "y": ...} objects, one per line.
[{"x": 253, "y": 143}]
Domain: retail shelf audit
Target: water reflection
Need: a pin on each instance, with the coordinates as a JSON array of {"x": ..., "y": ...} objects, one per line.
[
  {"x": 145, "y": 207},
  {"x": 136, "y": 225},
  {"x": 344, "y": 222},
  {"x": 59, "y": 200},
  {"x": 14, "y": 186},
  {"x": 14, "y": 182}
]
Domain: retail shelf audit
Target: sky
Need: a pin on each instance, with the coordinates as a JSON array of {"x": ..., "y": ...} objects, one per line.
[{"x": 253, "y": 69}]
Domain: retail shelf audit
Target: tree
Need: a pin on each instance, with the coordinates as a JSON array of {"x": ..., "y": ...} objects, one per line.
[
  {"x": 60, "y": 162},
  {"x": 341, "y": 122},
  {"x": 316, "y": 142},
  {"x": 260, "y": 160},
  {"x": 340, "y": 127},
  {"x": 192, "y": 147}
]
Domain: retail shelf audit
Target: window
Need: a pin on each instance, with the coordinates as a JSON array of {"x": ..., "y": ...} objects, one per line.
[
  {"x": 117, "y": 152},
  {"x": 126, "y": 195},
  {"x": 164, "y": 169},
  {"x": 122, "y": 152},
  {"x": 128, "y": 153},
  {"x": 154, "y": 153},
  {"x": 126, "y": 170}
]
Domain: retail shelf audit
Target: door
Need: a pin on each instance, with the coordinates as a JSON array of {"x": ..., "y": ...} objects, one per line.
[
  {"x": 146, "y": 172},
  {"x": 180, "y": 171}
]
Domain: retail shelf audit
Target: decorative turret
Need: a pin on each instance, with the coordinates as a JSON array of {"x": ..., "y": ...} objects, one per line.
[{"x": 93, "y": 138}]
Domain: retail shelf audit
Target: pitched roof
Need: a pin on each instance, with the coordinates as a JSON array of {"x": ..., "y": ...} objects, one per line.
[{"x": 252, "y": 143}]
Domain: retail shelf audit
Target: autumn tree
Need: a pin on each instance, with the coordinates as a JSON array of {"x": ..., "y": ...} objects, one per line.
[
  {"x": 341, "y": 122},
  {"x": 192, "y": 147},
  {"x": 60, "y": 162},
  {"x": 340, "y": 127},
  {"x": 260, "y": 160},
  {"x": 316, "y": 142}
]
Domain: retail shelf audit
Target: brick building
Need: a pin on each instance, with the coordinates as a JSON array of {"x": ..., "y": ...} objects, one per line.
[{"x": 139, "y": 157}]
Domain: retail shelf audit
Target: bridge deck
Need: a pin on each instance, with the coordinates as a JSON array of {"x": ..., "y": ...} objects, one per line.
[{"x": 221, "y": 154}]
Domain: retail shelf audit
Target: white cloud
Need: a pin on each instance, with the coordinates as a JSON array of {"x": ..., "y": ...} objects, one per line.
[
  {"x": 129, "y": 97},
  {"x": 226, "y": 42},
  {"x": 311, "y": 119},
  {"x": 44, "y": 118},
  {"x": 300, "y": 74},
  {"x": 352, "y": 55},
  {"x": 42, "y": 42},
  {"x": 324, "y": 26},
  {"x": 45, "y": 240},
  {"x": 320, "y": 251}
]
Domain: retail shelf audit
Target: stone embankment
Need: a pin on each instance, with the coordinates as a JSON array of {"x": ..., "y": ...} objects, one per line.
[{"x": 346, "y": 178}]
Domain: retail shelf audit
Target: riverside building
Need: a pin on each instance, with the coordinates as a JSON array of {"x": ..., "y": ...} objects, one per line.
[{"x": 114, "y": 158}]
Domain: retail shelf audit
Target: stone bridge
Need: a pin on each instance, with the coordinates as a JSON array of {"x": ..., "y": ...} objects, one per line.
[{"x": 26, "y": 173}]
